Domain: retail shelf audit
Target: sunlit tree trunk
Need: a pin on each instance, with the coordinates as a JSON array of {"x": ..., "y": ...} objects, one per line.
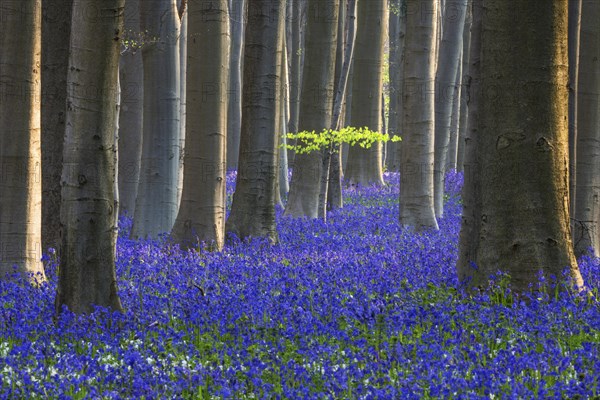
[
  {"x": 89, "y": 208},
  {"x": 253, "y": 208},
  {"x": 156, "y": 201},
  {"x": 20, "y": 153},
  {"x": 131, "y": 76},
  {"x": 417, "y": 150},
  {"x": 56, "y": 30},
  {"x": 182, "y": 5},
  {"x": 587, "y": 201},
  {"x": 523, "y": 145},
  {"x": 201, "y": 216},
  {"x": 446, "y": 91},
  {"x": 452, "y": 153},
  {"x": 234, "y": 113},
  {"x": 315, "y": 104},
  {"x": 365, "y": 165}
]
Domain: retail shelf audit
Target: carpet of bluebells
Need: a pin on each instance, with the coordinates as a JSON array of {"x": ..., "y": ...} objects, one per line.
[{"x": 357, "y": 308}]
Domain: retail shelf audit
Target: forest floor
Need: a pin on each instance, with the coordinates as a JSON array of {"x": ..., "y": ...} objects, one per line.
[{"x": 355, "y": 308}]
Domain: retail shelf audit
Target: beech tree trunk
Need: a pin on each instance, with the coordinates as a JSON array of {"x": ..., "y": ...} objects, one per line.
[
  {"x": 131, "y": 116},
  {"x": 89, "y": 208},
  {"x": 56, "y": 31},
  {"x": 465, "y": 90},
  {"x": 396, "y": 35},
  {"x": 365, "y": 165},
  {"x": 523, "y": 146},
  {"x": 253, "y": 208},
  {"x": 417, "y": 150},
  {"x": 448, "y": 62},
  {"x": 587, "y": 201},
  {"x": 20, "y": 155},
  {"x": 234, "y": 113},
  {"x": 574, "y": 40},
  {"x": 201, "y": 217},
  {"x": 156, "y": 201},
  {"x": 315, "y": 104}
]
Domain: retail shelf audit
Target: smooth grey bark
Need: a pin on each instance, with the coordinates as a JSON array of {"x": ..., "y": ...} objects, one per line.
[
  {"x": 465, "y": 88},
  {"x": 574, "y": 41},
  {"x": 315, "y": 105},
  {"x": 56, "y": 30},
  {"x": 455, "y": 120},
  {"x": 131, "y": 76},
  {"x": 523, "y": 146},
  {"x": 587, "y": 202},
  {"x": 471, "y": 192},
  {"x": 234, "y": 111},
  {"x": 418, "y": 123},
  {"x": 20, "y": 131},
  {"x": 396, "y": 35},
  {"x": 446, "y": 89},
  {"x": 156, "y": 201},
  {"x": 201, "y": 217},
  {"x": 284, "y": 117},
  {"x": 182, "y": 93},
  {"x": 89, "y": 207},
  {"x": 253, "y": 208},
  {"x": 365, "y": 165}
]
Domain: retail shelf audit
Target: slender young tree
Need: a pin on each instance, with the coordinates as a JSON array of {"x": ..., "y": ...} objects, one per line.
[
  {"x": 234, "y": 112},
  {"x": 56, "y": 31},
  {"x": 587, "y": 200},
  {"x": 315, "y": 104},
  {"x": 20, "y": 155},
  {"x": 201, "y": 216},
  {"x": 523, "y": 146},
  {"x": 131, "y": 76},
  {"x": 365, "y": 165},
  {"x": 253, "y": 208},
  {"x": 182, "y": 6},
  {"x": 89, "y": 208},
  {"x": 448, "y": 63},
  {"x": 396, "y": 34},
  {"x": 156, "y": 200},
  {"x": 465, "y": 92},
  {"x": 417, "y": 150}
]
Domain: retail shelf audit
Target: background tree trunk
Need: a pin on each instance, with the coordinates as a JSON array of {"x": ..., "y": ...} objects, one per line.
[
  {"x": 131, "y": 116},
  {"x": 182, "y": 92},
  {"x": 234, "y": 113},
  {"x": 417, "y": 150},
  {"x": 20, "y": 153},
  {"x": 201, "y": 216},
  {"x": 465, "y": 88},
  {"x": 87, "y": 274},
  {"x": 56, "y": 31},
  {"x": 397, "y": 32},
  {"x": 315, "y": 104},
  {"x": 587, "y": 202},
  {"x": 365, "y": 165},
  {"x": 523, "y": 146},
  {"x": 574, "y": 40},
  {"x": 253, "y": 208},
  {"x": 156, "y": 201},
  {"x": 446, "y": 91}
]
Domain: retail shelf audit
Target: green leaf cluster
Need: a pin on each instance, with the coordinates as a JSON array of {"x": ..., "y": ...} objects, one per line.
[{"x": 309, "y": 141}]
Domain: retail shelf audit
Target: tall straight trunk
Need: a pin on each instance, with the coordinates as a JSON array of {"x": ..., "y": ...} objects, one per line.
[
  {"x": 417, "y": 150},
  {"x": 87, "y": 275},
  {"x": 201, "y": 216},
  {"x": 587, "y": 202},
  {"x": 297, "y": 19},
  {"x": 131, "y": 76},
  {"x": 471, "y": 192},
  {"x": 182, "y": 4},
  {"x": 523, "y": 145},
  {"x": 56, "y": 30},
  {"x": 455, "y": 120},
  {"x": 20, "y": 153},
  {"x": 450, "y": 50},
  {"x": 284, "y": 117},
  {"x": 253, "y": 209},
  {"x": 365, "y": 165},
  {"x": 574, "y": 39},
  {"x": 396, "y": 55},
  {"x": 234, "y": 111},
  {"x": 315, "y": 104},
  {"x": 465, "y": 88},
  {"x": 156, "y": 201}
]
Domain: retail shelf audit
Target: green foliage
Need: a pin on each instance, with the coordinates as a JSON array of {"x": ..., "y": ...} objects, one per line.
[{"x": 309, "y": 141}]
